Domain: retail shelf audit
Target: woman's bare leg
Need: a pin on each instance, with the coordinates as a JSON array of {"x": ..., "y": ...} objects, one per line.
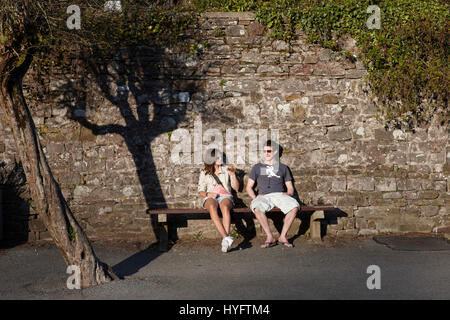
[
  {"x": 212, "y": 207},
  {"x": 225, "y": 208}
]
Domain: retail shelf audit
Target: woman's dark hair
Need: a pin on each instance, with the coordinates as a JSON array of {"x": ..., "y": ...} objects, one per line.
[{"x": 210, "y": 159}]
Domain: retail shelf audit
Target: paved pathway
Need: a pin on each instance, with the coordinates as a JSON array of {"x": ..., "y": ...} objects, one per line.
[{"x": 334, "y": 269}]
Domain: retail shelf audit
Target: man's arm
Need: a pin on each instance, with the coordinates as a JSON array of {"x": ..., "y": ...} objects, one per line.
[
  {"x": 249, "y": 188},
  {"x": 290, "y": 188}
]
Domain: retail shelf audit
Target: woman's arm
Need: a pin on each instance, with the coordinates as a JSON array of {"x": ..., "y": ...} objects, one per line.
[
  {"x": 234, "y": 181},
  {"x": 205, "y": 194},
  {"x": 202, "y": 187}
]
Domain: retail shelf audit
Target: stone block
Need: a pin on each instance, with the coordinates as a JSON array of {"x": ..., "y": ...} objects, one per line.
[
  {"x": 321, "y": 69},
  {"x": 367, "y": 232},
  {"x": 303, "y": 69},
  {"x": 86, "y": 135},
  {"x": 413, "y": 211},
  {"x": 399, "y": 135},
  {"x": 352, "y": 200},
  {"x": 235, "y": 31},
  {"x": 392, "y": 195},
  {"x": 44, "y": 235},
  {"x": 347, "y": 232},
  {"x": 407, "y": 184},
  {"x": 256, "y": 29},
  {"x": 252, "y": 56},
  {"x": 241, "y": 85},
  {"x": 364, "y": 212},
  {"x": 429, "y": 211},
  {"x": 279, "y": 45},
  {"x": 355, "y": 74},
  {"x": 72, "y": 178},
  {"x": 437, "y": 158},
  {"x": 328, "y": 99},
  {"x": 382, "y": 134},
  {"x": 339, "y": 134},
  {"x": 311, "y": 59},
  {"x": 360, "y": 183},
  {"x": 81, "y": 191},
  {"x": 368, "y": 108},
  {"x": 385, "y": 184},
  {"x": 269, "y": 69},
  {"x": 413, "y": 227},
  {"x": 428, "y": 195},
  {"x": 339, "y": 184},
  {"x": 36, "y": 225},
  {"x": 400, "y": 203},
  {"x": 293, "y": 97},
  {"x": 419, "y": 171},
  {"x": 55, "y": 148},
  {"x": 419, "y": 158},
  {"x": 245, "y": 22},
  {"x": 325, "y": 54}
]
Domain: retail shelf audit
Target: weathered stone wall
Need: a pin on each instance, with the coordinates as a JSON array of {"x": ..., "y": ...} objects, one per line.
[{"x": 109, "y": 136}]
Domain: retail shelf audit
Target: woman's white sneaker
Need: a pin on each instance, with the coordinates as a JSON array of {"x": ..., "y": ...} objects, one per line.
[{"x": 226, "y": 243}]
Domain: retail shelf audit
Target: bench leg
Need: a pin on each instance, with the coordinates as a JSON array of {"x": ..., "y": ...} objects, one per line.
[
  {"x": 315, "y": 225},
  {"x": 163, "y": 232}
]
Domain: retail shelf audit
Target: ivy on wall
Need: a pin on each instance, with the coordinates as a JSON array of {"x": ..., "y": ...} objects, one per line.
[{"x": 407, "y": 58}]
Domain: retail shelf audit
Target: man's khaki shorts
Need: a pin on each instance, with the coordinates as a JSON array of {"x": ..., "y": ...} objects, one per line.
[{"x": 269, "y": 201}]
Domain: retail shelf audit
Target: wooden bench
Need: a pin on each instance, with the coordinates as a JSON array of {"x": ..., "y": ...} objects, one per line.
[{"x": 318, "y": 213}]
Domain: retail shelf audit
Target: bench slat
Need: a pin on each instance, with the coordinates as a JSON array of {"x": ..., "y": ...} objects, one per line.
[{"x": 236, "y": 210}]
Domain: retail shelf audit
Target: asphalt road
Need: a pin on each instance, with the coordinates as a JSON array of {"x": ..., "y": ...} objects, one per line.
[{"x": 334, "y": 269}]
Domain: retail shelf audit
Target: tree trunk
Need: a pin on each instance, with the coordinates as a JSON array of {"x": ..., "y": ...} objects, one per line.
[{"x": 48, "y": 200}]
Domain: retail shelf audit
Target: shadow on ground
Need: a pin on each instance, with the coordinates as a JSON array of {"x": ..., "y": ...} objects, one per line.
[
  {"x": 137, "y": 261},
  {"x": 423, "y": 243}
]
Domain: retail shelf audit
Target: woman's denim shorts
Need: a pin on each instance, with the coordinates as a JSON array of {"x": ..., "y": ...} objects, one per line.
[{"x": 218, "y": 199}]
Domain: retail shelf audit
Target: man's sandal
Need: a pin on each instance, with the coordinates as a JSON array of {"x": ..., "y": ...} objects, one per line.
[
  {"x": 269, "y": 244},
  {"x": 285, "y": 244}
]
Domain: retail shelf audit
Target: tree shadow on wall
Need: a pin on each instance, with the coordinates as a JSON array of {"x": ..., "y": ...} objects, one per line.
[{"x": 152, "y": 101}]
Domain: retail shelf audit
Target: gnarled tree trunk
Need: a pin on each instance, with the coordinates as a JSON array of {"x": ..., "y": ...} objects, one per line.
[{"x": 46, "y": 193}]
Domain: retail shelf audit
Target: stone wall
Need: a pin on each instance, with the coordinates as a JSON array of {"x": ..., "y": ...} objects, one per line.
[{"x": 109, "y": 135}]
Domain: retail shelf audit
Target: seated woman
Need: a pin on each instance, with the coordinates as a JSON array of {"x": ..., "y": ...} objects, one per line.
[{"x": 214, "y": 185}]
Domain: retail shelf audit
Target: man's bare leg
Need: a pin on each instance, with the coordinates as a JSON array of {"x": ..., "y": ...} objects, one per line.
[
  {"x": 288, "y": 220},
  {"x": 262, "y": 218}
]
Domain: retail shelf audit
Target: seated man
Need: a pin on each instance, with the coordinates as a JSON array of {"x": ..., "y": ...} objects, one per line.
[{"x": 274, "y": 181}]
